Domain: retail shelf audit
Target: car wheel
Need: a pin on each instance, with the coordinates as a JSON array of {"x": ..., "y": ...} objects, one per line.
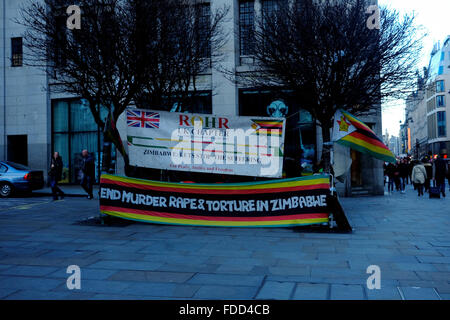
[{"x": 6, "y": 189}]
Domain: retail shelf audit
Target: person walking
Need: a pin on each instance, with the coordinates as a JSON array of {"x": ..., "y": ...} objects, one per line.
[
  {"x": 88, "y": 170},
  {"x": 55, "y": 175},
  {"x": 390, "y": 174},
  {"x": 428, "y": 164},
  {"x": 403, "y": 168},
  {"x": 448, "y": 174},
  {"x": 419, "y": 176},
  {"x": 397, "y": 175},
  {"x": 440, "y": 172}
]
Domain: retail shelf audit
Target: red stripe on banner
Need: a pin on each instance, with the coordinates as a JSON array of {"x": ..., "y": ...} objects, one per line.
[
  {"x": 194, "y": 217},
  {"x": 360, "y": 136},
  {"x": 212, "y": 191}
]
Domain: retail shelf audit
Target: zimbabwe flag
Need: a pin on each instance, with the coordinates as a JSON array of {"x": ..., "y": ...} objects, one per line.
[
  {"x": 269, "y": 127},
  {"x": 353, "y": 133}
]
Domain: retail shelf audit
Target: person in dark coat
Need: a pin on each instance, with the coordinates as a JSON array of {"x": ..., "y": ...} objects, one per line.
[
  {"x": 55, "y": 175},
  {"x": 428, "y": 164},
  {"x": 410, "y": 168},
  {"x": 390, "y": 174},
  {"x": 397, "y": 176},
  {"x": 88, "y": 170},
  {"x": 403, "y": 169},
  {"x": 440, "y": 172}
]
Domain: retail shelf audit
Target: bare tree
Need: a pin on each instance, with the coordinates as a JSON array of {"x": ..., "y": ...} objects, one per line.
[
  {"x": 125, "y": 52},
  {"x": 331, "y": 55},
  {"x": 189, "y": 38}
]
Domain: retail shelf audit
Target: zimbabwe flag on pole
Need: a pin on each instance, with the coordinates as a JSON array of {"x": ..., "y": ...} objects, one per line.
[{"x": 353, "y": 133}]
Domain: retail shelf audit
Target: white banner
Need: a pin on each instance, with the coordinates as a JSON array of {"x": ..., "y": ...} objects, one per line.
[{"x": 249, "y": 146}]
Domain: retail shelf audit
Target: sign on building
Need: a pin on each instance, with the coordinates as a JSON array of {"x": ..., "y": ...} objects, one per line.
[{"x": 235, "y": 145}]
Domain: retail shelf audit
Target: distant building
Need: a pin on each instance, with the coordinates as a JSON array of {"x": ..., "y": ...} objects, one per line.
[
  {"x": 427, "y": 120},
  {"x": 35, "y": 122}
]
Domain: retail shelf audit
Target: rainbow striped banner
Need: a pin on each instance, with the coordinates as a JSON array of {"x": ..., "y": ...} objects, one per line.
[
  {"x": 351, "y": 132},
  {"x": 276, "y": 203}
]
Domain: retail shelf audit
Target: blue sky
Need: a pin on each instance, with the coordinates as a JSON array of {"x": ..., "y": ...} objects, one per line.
[{"x": 434, "y": 16}]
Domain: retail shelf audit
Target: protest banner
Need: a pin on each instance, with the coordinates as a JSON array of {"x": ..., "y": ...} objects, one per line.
[
  {"x": 235, "y": 145},
  {"x": 274, "y": 203}
]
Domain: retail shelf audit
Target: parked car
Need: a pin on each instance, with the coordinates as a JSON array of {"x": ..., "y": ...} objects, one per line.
[{"x": 17, "y": 177}]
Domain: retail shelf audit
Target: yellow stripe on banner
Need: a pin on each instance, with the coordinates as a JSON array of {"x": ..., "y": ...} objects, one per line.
[
  {"x": 367, "y": 145},
  {"x": 154, "y": 219},
  {"x": 267, "y": 122},
  {"x": 219, "y": 187}
]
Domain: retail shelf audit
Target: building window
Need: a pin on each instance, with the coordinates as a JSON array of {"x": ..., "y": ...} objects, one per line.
[
  {"x": 16, "y": 52},
  {"x": 431, "y": 90},
  {"x": 269, "y": 7},
  {"x": 246, "y": 27},
  {"x": 440, "y": 101},
  {"x": 203, "y": 27},
  {"x": 431, "y": 105},
  {"x": 431, "y": 121},
  {"x": 74, "y": 129},
  {"x": 440, "y": 86},
  {"x": 300, "y": 134},
  {"x": 441, "y": 70},
  {"x": 441, "y": 124}
]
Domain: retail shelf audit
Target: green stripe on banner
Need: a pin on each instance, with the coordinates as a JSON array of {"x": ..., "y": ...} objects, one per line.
[{"x": 274, "y": 203}]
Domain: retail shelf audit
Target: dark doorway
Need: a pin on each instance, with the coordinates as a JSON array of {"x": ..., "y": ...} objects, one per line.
[
  {"x": 18, "y": 149},
  {"x": 356, "y": 168}
]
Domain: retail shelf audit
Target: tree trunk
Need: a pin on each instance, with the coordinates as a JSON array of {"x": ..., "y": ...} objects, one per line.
[
  {"x": 326, "y": 148},
  {"x": 112, "y": 136}
]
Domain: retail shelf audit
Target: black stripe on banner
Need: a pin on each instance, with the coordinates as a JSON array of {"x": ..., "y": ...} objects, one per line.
[{"x": 216, "y": 205}]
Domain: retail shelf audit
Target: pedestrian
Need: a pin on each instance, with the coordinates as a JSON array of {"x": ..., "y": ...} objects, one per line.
[
  {"x": 397, "y": 176},
  {"x": 440, "y": 172},
  {"x": 88, "y": 171},
  {"x": 410, "y": 167},
  {"x": 448, "y": 174},
  {"x": 390, "y": 174},
  {"x": 55, "y": 175},
  {"x": 403, "y": 169},
  {"x": 428, "y": 164},
  {"x": 419, "y": 175}
]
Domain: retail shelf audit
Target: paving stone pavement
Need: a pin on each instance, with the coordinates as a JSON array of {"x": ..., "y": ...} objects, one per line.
[{"x": 406, "y": 236}]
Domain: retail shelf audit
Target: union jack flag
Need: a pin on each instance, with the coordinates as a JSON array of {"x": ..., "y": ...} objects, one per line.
[{"x": 142, "y": 119}]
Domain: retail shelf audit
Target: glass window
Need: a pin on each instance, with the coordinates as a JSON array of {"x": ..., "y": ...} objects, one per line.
[
  {"x": 60, "y": 116},
  {"x": 17, "y": 166},
  {"x": 441, "y": 124},
  {"x": 74, "y": 129},
  {"x": 61, "y": 145},
  {"x": 204, "y": 17},
  {"x": 442, "y": 56},
  {"x": 3, "y": 168},
  {"x": 440, "y": 86},
  {"x": 16, "y": 52},
  {"x": 246, "y": 27},
  {"x": 440, "y": 101},
  {"x": 431, "y": 105},
  {"x": 269, "y": 7},
  {"x": 300, "y": 132},
  {"x": 441, "y": 70},
  {"x": 431, "y": 126},
  {"x": 79, "y": 142},
  {"x": 81, "y": 118}
]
